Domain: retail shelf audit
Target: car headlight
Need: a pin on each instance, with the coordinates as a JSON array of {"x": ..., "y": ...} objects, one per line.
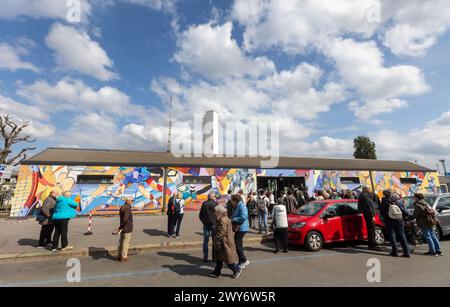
[{"x": 298, "y": 225}]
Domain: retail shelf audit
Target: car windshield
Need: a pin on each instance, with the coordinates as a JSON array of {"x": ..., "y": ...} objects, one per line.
[
  {"x": 409, "y": 201},
  {"x": 311, "y": 209}
]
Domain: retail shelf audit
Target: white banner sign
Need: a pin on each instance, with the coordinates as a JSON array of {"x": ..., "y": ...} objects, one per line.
[{"x": 5, "y": 171}]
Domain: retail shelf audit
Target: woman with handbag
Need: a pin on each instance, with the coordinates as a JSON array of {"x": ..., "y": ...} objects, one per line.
[
  {"x": 224, "y": 248},
  {"x": 240, "y": 228}
]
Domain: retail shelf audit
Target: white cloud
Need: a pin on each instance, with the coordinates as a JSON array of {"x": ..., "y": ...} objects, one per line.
[
  {"x": 361, "y": 65},
  {"x": 417, "y": 25},
  {"x": 425, "y": 144},
  {"x": 38, "y": 119},
  {"x": 159, "y": 5},
  {"x": 75, "y": 50},
  {"x": 69, "y": 94},
  {"x": 53, "y": 9},
  {"x": 11, "y": 58},
  {"x": 212, "y": 52},
  {"x": 294, "y": 25}
]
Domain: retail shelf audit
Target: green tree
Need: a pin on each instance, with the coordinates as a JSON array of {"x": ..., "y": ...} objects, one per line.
[{"x": 365, "y": 148}]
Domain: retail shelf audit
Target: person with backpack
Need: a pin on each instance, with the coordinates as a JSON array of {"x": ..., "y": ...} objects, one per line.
[
  {"x": 393, "y": 214},
  {"x": 176, "y": 213},
  {"x": 263, "y": 204},
  {"x": 426, "y": 219}
]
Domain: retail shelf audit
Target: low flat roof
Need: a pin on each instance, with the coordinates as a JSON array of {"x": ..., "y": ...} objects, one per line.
[{"x": 92, "y": 157}]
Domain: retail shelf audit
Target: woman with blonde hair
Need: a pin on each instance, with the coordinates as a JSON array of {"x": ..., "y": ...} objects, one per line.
[
  {"x": 65, "y": 210},
  {"x": 224, "y": 248}
]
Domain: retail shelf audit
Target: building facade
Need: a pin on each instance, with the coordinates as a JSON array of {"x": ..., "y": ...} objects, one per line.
[{"x": 100, "y": 190}]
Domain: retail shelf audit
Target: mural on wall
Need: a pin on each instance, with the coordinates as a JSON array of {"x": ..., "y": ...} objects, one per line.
[
  {"x": 427, "y": 183},
  {"x": 144, "y": 185}
]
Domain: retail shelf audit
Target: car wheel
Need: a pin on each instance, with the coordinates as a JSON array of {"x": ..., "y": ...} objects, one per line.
[
  {"x": 379, "y": 236},
  {"x": 314, "y": 241}
]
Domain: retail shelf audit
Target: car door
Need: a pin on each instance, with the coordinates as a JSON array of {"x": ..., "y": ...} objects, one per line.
[
  {"x": 332, "y": 226},
  {"x": 444, "y": 214},
  {"x": 352, "y": 222}
]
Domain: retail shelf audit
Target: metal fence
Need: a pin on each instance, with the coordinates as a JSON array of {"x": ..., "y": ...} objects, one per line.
[{"x": 6, "y": 194}]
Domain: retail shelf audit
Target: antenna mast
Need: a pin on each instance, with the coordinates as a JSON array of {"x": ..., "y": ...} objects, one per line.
[{"x": 169, "y": 143}]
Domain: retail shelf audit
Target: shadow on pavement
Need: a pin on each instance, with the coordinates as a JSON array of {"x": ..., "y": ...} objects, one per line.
[
  {"x": 194, "y": 268},
  {"x": 28, "y": 242},
  {"x": 97, "y": 253},
  {"x": 155, "y": 232}
]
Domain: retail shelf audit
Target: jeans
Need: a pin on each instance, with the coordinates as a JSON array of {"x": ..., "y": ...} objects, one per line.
[
  {"x": 432, "y": 240},
  {"x": 207, "y": 233},
  {"x": 61, "y": 230},
  {"x": 262, "y": 220},
  {"x": 219, "y": 265},
  {"x": 239, "y": 242},
  {"x": 45, "y": 236},
  {"x": 280, "y": 237},
  {"x": 397, "y": 231},
  {"x": 175, "y": 222}
]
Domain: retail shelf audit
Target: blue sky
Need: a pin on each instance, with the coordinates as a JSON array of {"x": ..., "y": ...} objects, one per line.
[{"x": 324, "y": 70}]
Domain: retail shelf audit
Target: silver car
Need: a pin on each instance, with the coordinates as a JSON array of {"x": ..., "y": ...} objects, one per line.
[{"x": 440, "y": 203}]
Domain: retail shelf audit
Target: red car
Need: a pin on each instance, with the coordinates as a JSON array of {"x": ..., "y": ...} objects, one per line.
[{"x": 323, "y": 222}]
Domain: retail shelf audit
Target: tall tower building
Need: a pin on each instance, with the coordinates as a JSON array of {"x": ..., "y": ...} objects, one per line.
[{"x": 211, "y": 134}]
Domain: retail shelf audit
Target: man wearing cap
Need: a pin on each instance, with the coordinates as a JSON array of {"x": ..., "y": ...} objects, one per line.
[{"x": 125, "y": 229}]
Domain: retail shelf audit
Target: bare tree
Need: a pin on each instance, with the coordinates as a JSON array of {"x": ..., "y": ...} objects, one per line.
[{"x": 12, "y": 134}]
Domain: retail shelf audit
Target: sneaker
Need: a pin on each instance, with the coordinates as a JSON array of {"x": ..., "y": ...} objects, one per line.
[
  {"x": 237, "y": 274},
  {"x": 243, "y": 266},
  {"x": 286, "y": 251},
  {"x": 54, "y": 250},
  {"x": 67, "y": 248},
  {"x": 440, "y": 254},
  {"x": 41, "y": 247},
  {"x": 177, "y": 237}
]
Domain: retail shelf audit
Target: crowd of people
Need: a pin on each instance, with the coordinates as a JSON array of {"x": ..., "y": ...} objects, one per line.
[{"x": 227, "y": 224}]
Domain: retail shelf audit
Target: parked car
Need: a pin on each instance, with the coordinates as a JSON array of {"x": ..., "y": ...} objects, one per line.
[
  {"x": 440, "y": 203},
  {"x": 324, "y": 222}
]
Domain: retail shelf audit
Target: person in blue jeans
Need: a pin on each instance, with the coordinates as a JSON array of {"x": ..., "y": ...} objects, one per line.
[
  {"x": 263, "y": 211},
  {"x": 208, "y": 218},
  {"x": 241, "y": 226},
  {"x": 395, "y": 225},
  {"x": 420, "y": 214}
]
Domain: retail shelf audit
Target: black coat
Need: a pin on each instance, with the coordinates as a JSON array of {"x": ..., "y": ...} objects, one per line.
[
  {"x": 207, "y": 213},
  {"x": 384, "y": 208},
  {"x": 366, "y": 205}
]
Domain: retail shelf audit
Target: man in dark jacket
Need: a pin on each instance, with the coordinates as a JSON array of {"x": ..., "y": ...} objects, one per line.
[
  {"x": 125, "y": 229},
  {"x": 45, "y": 237},
  {"x": 208, "y": 218},
  {"x": 366, "y": 206},
  {"x": 395, "y": 226},
  {"x": 290, "y": 202}
]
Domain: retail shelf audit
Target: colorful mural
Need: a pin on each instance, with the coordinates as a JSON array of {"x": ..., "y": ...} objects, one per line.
[{"x": 145, "y": 185}]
